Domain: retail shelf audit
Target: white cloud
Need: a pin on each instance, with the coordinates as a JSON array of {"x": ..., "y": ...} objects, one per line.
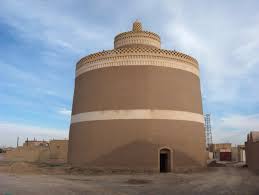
[
  {"x": 64, "y": 111},
  {"x": 50, "y": 24},
  {"x": 227, "y": 54},
  {"x": 234, "y": 128},
  {"x": 14, "y": 73},
  {"x": 10, "y": 131},
  {"x": 226, "y": 45},
  {"x": 241, "y": 121}
]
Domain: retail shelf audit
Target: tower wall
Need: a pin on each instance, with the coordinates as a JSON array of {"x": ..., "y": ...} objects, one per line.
[{"x": 131, "y": 102}]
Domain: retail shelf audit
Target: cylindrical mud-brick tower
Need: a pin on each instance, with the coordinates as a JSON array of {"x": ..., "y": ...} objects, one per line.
[{"x": 137, "y": 107}]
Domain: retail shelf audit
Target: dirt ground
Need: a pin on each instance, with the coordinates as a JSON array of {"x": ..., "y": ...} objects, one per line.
[{"x": 24, "y": 178}]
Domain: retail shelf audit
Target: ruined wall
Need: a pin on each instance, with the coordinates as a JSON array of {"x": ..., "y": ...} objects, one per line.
[
  {"x": 29, "y": 154},
  {"x": 54, "y": 151},
  {"x": 58, "y": 150}
]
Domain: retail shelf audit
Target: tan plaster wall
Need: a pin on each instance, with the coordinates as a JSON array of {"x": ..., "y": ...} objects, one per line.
[
  {"x": 219, "y": 146},
  {"x": 54, "y": 151},
  {"x": 29, "y": 154},
  {"x": 58, "y": 150},
  {"x": 134, "y": 144},
  {"x": 252, "y": 155},
  {"x": 234, "y": 154},
  {"x": 138, "y": 87}
]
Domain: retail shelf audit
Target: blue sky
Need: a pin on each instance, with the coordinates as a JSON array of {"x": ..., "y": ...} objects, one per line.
[{"x": 41, "y": 41}]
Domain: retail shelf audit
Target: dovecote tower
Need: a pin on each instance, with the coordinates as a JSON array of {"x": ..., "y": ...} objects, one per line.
[{"x": 137, "y": 107}]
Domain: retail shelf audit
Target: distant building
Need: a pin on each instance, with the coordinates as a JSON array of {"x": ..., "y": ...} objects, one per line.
[
  {"x": 137, "y": 107},
  {"x": 221, "y": 151},
  {"x": 252, "y": 151}
]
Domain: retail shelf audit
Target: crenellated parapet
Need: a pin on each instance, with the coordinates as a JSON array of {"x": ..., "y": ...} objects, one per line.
[
  {"x": 140, "y": 39},
  {"x": 138, "y": 56}
]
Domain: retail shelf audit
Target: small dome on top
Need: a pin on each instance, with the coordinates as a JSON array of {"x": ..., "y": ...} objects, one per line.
[
  {"x": 137, "y": 38},
  {"x": 137, "y": 26}
]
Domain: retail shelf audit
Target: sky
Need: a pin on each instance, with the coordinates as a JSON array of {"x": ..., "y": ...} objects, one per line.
[{"x": 41, "y": 41}]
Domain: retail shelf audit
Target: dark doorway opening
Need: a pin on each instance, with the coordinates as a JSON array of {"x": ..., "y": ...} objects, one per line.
[{"x": 165, "y": 161}]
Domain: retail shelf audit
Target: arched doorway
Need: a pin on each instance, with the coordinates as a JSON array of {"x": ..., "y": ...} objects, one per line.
[{"x": 165, "y": 160}]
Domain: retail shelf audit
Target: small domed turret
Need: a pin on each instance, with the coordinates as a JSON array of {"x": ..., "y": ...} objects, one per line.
[
  {"x": 137, "y": 26},
  {"x": 137, "y": 38}
]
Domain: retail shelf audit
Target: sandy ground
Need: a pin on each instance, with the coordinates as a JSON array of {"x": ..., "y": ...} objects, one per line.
[{"x": 30, "y": 178}]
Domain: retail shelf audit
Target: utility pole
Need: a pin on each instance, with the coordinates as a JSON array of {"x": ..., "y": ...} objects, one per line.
[{"x": 17, "y": 144}]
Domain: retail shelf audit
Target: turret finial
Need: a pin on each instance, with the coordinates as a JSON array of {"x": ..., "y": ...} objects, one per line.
[{"x": 137, "y": 26}]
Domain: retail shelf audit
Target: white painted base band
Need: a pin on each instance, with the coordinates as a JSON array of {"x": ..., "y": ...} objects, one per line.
[{"x": 137, "y": 114}]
